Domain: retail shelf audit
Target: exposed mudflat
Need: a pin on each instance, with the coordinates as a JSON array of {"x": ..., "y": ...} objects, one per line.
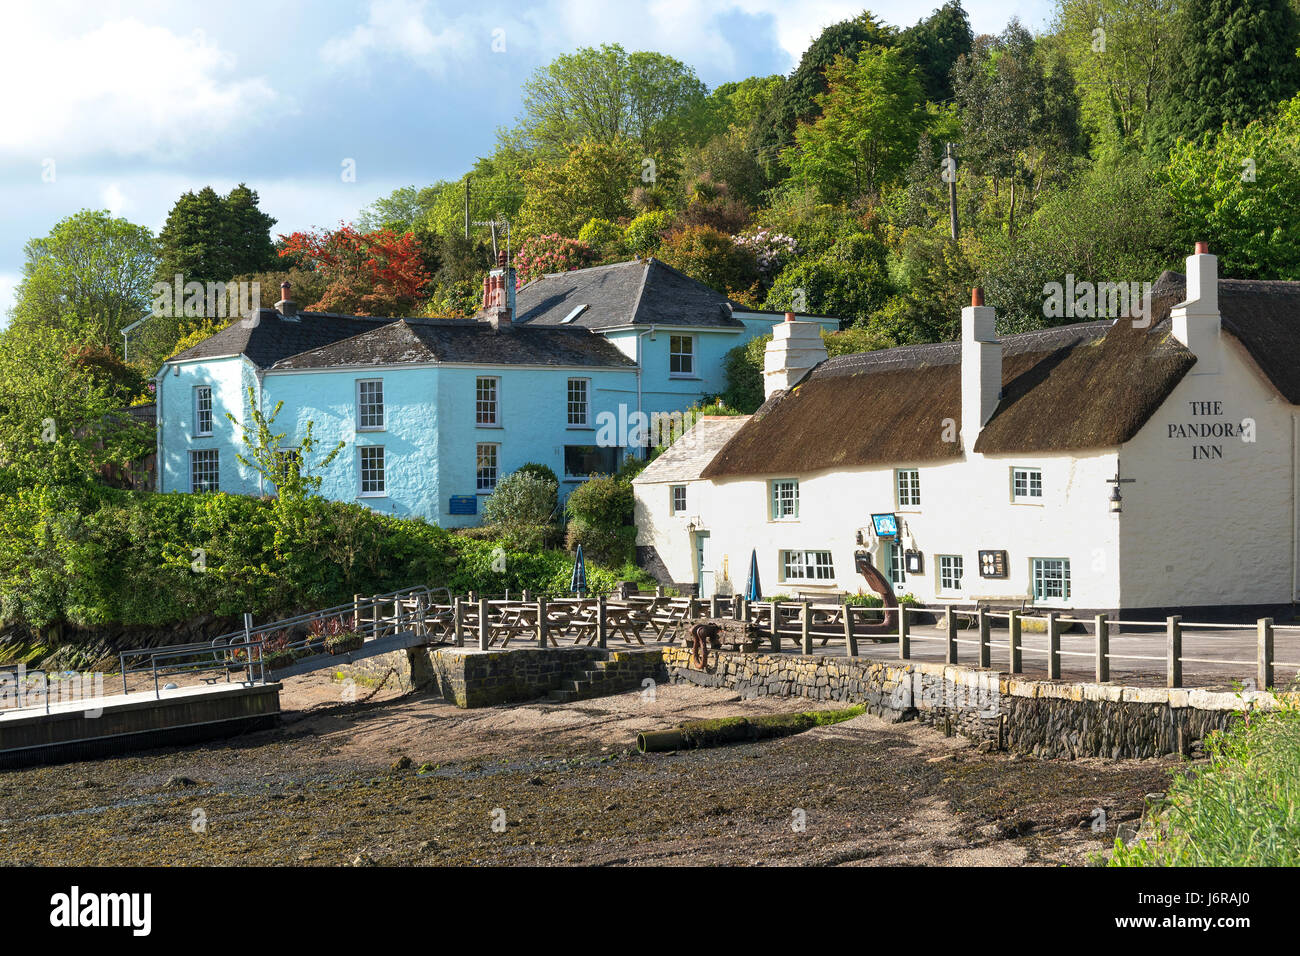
[{"x": 323, "y": 789}]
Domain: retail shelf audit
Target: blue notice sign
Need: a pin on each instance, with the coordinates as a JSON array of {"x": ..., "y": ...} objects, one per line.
[{"x": 463, "y": 505}]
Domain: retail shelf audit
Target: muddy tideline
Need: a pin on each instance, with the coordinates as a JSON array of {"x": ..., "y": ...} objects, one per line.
[{"x": 410, "y": 780}]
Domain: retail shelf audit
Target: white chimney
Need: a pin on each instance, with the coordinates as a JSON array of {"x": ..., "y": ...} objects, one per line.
[
  {"x": 1196, "y": 319},
  {"x": 981, "y": 368},
  {"x": 796, "y": 347}
]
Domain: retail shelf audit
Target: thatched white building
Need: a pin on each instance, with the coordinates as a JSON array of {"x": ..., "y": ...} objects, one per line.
[{"x": 990, "y": 469}]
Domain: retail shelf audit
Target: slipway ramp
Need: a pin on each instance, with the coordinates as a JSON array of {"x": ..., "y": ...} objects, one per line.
[{"x": 185, "y": 693}]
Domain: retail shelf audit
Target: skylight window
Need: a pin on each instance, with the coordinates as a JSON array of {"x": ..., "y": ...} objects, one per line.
[{"x": 574, "y": 314}]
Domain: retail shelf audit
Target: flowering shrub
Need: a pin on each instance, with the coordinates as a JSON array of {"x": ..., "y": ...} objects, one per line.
[
  {"x": 771, "y": 249},
  {"x": 550, "y": 253}
]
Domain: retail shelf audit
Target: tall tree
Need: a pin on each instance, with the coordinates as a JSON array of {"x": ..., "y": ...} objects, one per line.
[
  {"x": 605, "y": 94},
  {"x": 592, "y": 182},
  {"x": 1119, "y": 50},
  {"x": 1236, "y": 59},
  {"x": 90, "y": 277},
  {"x": 210, "y": 238},
  {"x": 797, "y": 99},
  {"x": 374, "y": 273},
  {"x": 935, "y": 44},
  {"x": 872, "y": 116}
]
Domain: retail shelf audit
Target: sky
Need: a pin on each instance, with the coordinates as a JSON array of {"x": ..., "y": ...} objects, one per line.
[{"x": 126, "y": 105}]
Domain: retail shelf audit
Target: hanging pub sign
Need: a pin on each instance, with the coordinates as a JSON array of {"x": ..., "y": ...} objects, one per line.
[
  {"x": 886, "y": 525},
  {"x": 914, "y": 562},
  {"x": 993, "y": 564},
  {"x": 463, "y": 505}
]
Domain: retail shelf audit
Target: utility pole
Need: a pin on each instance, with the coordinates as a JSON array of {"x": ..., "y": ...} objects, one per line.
[
  {"x": 950, "y": 174},
  {"x": 467, "y": 207}
]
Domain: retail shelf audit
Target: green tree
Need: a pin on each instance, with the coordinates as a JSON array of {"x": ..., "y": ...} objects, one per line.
[
  {"x": 1240, "y": 191},
  {"x": 63, "y": 409},
  {"x": 1235, "y": 60},
  {"x": 871, "y": 118},
  {"x": 607, "y": 95},
  {"x": 849, "y": 281},
  {"x": 1119, "y": 52},
  {"x": 711, "y": 257},
  {"x": 89, "y": 278},
  {"x": 293, "y": 473},
  {"x": 592, "y": 182},
  {"x": 210, "y": 238},
  {"x": 935, "y": 44}
]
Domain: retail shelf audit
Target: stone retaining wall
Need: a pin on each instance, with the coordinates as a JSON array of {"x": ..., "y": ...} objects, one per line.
[{"x": 1034, "y": 717}]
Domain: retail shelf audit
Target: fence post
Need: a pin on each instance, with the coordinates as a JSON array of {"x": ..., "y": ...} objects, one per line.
[
  {"x": 850, "y": 638},
  {"x": 986, "y": 652},
  {"x": 1102, "y": 628},
  {"x": 715, "y": 607},
  {"x": 1053, "y": 647},
  {"x": 248, "y": 644},
  {"x": 484, "y": 626},
  {"x": 659, "y": 591},
  {"x": 776, "y": 626},
  {"x": 1013, "y": 640},
  {"x": 950, "y": 627},
  {"x": 904, "y": 641},
  {"x": 736, "y": 602},
  {"x": 458, "y": 621},
  {"x": 691, "y": 607},
  {"x": 1174, "y": 629},
  {"x": 526, "y": 595},
  {"x": 602, "y": 633},
  {"x": 541, "y": 622},
  {"x": 356, "y": 612},
  {"x": 805, "y": 629},
  {"x": 1265, "y": 653}
]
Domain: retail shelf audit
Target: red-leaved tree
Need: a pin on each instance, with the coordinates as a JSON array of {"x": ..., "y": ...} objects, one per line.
[{"x": 369, "y": 273}]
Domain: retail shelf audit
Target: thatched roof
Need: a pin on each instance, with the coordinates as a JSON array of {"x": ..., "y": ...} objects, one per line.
[{"x": 1071, "y": 388}]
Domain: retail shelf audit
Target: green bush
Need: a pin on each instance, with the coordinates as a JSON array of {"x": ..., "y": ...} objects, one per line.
[
  {"x": 601, "y": 519},
  {"x": 644, "y": 234},
  {"x": 104, "y": 558},
  {"x": 520, "y": 509},
  {"x": 1241, "y": 808}
]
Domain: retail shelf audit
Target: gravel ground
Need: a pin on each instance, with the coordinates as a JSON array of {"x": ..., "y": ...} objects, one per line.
[{"x": 563, "y": 784}]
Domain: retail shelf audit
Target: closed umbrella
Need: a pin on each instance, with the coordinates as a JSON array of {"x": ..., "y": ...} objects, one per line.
[
  {"x": 753, "y": 590},
  {"x": 578, "y": 582}
]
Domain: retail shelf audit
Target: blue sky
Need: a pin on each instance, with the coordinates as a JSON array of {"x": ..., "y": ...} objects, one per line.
[{"x": 125, "y": 105}]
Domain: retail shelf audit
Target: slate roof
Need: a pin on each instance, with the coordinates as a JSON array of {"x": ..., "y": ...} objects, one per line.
[
  {"x": 687, "y": 457},
  {"x": 640, "y": 292},
  {"x": 464, "y": 341},
  {"x": 266, "y": 337}
]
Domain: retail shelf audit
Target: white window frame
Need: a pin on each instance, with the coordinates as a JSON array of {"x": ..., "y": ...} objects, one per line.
[
  {"x": 691, "y": 354},
  {"x": 672, "y": 499},
  {"x": 282, "y": 454},
  {"x": 481, "y": 404},
  {"x": 208, "y": 454},
  {"x": 199, "y": 392},
  {"x": 897, "y": 564},
  {"x": 775, "y": 499},
  {"x": 480, "y": 487},
  {"x": 807, "y": 565},
  {"x": 571, "y": 406},
  {"x": 907, "y": 487},
  {"x": 364, "y": 451},
  {"x": 946, "y": 564},
  {"x": 1038, "y": 568},
  {"x": 364, "y": 406},
  {"x": 1029, "y": 496}
]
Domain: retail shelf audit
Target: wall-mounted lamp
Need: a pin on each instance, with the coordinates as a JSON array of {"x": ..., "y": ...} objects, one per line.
[{"x": 1116, "y": 499}]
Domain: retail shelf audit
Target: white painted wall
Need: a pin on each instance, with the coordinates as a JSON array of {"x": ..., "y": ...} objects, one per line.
[
  {"x": 966, "y": 506},
  {"x": 1212, "y": 530}
]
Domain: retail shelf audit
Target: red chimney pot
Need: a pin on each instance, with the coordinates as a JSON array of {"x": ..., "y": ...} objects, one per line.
[
  {"x": 789, "y": 316},
  {"x": 977, "y": 296},
  {"x": 1202, "y": 248}
]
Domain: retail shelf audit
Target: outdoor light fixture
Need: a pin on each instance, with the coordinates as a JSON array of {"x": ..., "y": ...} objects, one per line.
[{"x": 1117, "y": 500}]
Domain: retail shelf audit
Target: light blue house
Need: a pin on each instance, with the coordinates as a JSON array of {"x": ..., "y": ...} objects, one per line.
[{"x": 432, "y": 412}]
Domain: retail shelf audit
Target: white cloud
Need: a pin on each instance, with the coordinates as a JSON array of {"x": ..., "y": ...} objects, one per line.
[
  {"x": 123, "y": 88},
  {"x": 114, "y": 200},
  {"x": 406, "y": 28}
]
